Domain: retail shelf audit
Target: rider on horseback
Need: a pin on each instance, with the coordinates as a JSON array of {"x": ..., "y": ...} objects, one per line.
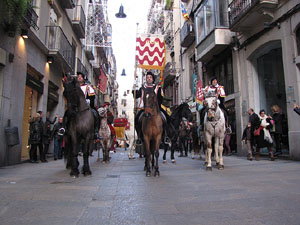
[
  {"x": 139, "y": 94},
  {"x": 214, "y": 87}
]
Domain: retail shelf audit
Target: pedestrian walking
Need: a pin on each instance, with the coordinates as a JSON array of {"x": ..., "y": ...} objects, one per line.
[
  {"x": 246, "y": 139},
  {"x": 35, "y": 137},
  {"x": 277, "y": 117},
  {"x": 264, "y": 138},
  {"x": 255, "y": 123},
  {"x": 58, "y": 138}
]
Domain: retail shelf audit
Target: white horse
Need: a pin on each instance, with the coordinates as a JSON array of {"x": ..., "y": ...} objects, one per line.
[
  {"x": 214, "y": 126},
  {"x": 129, "y": 137},
  {"x": 105, "y": 133}
]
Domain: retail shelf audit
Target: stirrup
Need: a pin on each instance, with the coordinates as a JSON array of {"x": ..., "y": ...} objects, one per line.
[
  {"x": 167, "y": 140},
  {"x": 139, "y": 142}
]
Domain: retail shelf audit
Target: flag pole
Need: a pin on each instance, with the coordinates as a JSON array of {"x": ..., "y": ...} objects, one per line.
[{"x": 134, "y": 86}]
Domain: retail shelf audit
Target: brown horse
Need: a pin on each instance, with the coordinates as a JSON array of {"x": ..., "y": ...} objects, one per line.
[{"x": 152, "y": 127}]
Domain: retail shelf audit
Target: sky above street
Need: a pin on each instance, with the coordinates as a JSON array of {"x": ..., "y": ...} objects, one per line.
[{"x": 124, "y": 35}]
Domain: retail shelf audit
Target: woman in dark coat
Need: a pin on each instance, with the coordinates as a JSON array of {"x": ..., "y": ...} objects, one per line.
[
  {"x": 264, "y": 139},
  {"x": 277, "y": 127}
]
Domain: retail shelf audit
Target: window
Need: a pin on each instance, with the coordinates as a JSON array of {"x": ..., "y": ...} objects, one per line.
[
  {"x": 298, "y": 39},
  {"x": 212, "y": 13}
]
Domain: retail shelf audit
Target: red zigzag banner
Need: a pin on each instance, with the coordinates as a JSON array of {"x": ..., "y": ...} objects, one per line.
[{"x": 150, "y": 52}]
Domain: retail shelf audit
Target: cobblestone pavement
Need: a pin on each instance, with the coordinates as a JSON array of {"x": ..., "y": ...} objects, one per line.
[{"x": 245, "y": 192}]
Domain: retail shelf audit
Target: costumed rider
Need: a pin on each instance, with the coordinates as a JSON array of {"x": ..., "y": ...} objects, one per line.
[
  {"x": 150, "y": 78},
  {"x": 214, "y": 86},
  {"x": 89, "y": 94}
]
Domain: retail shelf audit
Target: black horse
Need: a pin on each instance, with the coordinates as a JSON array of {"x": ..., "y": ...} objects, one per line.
[
  {"x": 174, "y": 120},
  {"x": 80, "y": 126}
]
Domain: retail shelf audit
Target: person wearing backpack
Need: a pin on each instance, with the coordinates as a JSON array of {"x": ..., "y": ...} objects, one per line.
[{"x": 35, "y": 137}]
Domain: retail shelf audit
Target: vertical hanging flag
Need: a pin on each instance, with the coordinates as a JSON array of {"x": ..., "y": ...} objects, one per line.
[
  {"x": 184, "y": 12},
  {"x": 150, "y": 52},
  {"x": 199, "y": 95},
  {"x": 102, "y": 82},
  {"x": 195, "y": 82}
]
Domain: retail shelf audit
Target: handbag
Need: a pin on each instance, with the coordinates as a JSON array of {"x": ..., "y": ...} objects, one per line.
[{"x": 257, "y": 131}]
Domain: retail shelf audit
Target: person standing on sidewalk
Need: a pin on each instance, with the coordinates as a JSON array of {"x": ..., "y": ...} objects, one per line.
[
  {"x": 58, "y": 138},
  {"x": 35, "y": 137},
  {"x": 41, "y": 144},
  {"x": 47, "y": 133}
]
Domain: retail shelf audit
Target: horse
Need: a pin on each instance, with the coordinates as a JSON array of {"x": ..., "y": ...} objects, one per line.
[
  {"x": 152, "y": 126},
  {"x": 181, "y": 111},
  {"x": 80, "y": 126},
  {"x": 214, "y": 126},
  {"x": 105, "y": 133}
]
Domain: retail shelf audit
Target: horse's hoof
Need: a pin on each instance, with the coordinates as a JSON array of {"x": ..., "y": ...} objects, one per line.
[
  {"x": 208, "y": 169},
  {"x": 74, "y": 177},
  {"x": 164, "y": 161},
  {"x": 205, "y": 163},
  {"x": 148, "y": 174},
  {"x": 173, "y": 161},
  {"x": 87, "y": 173},
  {"x": 221, "y": 167},
  {"x": 156, "y": 174},
  {"x": 217, "y": 164}
]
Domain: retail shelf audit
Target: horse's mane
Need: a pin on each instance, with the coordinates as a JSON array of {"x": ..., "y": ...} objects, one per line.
[{"x": 178, "y": 109}]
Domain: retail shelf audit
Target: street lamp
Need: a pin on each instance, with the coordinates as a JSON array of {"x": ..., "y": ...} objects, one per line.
[
  {"x": 121, "y": 13},
  {"x": 123, "y": 73}
]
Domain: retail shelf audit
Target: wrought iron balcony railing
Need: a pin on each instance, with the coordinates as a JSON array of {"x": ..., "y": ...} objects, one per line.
[
  {"x": 238, "y": 8},
  {"x": 187, "y": 35},
  {"x": 79, "y": 21},
  {"x": 56, "y": 41},
  {"x": 81, "y": 68},
  {"x": 31, "y": 18}
]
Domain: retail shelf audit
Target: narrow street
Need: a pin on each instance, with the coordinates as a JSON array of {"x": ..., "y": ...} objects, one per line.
[{"x": 245, "y": 192}]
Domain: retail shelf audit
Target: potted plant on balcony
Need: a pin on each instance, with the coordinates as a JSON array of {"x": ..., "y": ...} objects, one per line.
[{"x": 12, "y": 13}]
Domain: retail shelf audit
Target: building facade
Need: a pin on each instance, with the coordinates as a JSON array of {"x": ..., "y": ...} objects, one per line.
[{"x": 31, "y": 68}]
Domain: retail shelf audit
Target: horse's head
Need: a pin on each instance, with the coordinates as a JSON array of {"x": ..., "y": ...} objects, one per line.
[
  {"x": 71, "y": 88},
  {"x": 211, "y": 103},
  {"x": 150, "y": 102},
  {"x": 186, "y": 112}
]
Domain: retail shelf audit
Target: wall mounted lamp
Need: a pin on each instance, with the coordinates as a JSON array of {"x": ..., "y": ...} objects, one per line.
[
  {"x": 50, "y": 59},
  {"x": 24, "y": 33}
]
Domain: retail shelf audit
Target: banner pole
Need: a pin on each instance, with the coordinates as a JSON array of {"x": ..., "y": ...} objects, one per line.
[{"x": 134, "y": 91}]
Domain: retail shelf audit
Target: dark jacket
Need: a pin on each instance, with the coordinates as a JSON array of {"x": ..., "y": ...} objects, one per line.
[
  {"x": 278, "y": 118},
  {"x": 47, "y": 130},
  {"x": 56, "y": 128},
  {"x": 35, "y": 133},
  {"x": 138, "y": 94},
  {"x": 255, "y": 122}
]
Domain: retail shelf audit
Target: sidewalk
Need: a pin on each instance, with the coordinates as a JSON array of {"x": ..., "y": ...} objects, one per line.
[{"x": 245, "y": 192}]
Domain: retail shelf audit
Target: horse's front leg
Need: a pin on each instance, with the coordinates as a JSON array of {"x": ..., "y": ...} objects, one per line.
[
  {"x": 147, "y": 157},
  {"x": 156, "y": 152},
  {"x": 75, "y": 148},
  {"x": 208, "y": 153},
  {"x": 86, "y": 152},
  {"x": 165, "y": 153}
]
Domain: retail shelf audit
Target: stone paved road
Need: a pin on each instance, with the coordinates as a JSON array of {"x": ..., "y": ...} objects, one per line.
[{"x": 257, "y": 192}]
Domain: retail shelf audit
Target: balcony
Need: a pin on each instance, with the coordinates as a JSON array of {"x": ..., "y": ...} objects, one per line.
[
  {"x": 187, "y": 35},
  {"x": 213, "y": 44},
  {"x": 90, "y": 52},
  {"x": 31, "y": 18},
  {"x": 78, "y": 21},
  {"x": 245, "y": 14},
  {"x": 81, "y": 68},
  {"x": 67, "y": 4},
  {"x": 59, "y": 47}
]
